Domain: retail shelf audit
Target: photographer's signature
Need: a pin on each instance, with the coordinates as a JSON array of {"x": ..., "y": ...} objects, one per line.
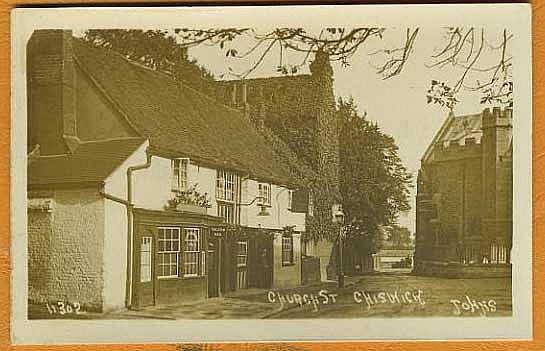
[{"x": 470, "y": 305}]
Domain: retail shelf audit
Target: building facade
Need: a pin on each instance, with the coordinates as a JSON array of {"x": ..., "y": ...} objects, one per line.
[
  {"x": 464, "y": 199},
  {"x": 143, "y": 191},
  {"x": 299, "y": 110}
]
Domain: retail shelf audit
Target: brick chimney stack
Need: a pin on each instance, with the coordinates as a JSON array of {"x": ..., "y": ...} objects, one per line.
[{"x": 51, "y": 92}]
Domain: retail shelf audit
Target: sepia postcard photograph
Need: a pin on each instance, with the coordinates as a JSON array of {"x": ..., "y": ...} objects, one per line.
[{"x": 348, "y": 172}]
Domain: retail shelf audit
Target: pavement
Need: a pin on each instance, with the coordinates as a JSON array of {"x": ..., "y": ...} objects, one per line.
[{"x": 240, "y": 304}]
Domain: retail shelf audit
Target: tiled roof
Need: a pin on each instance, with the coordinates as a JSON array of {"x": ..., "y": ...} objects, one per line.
[
  {"x": 462, "y": 127},
  {"x": 91, "y": 162},
  {"x": 180, "y": 119},
  {"x": 455, "y": 129}
]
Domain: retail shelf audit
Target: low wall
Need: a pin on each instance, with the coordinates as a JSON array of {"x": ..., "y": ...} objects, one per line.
[{"x": 458, "y": 270}]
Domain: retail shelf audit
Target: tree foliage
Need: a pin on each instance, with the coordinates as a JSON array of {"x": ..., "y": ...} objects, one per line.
[
  {"x": 374, "y": 183},
  {"x": 156, "y": 49},
  {"x": 398, "y": 237},
  {"x": 462, "y": 48}
]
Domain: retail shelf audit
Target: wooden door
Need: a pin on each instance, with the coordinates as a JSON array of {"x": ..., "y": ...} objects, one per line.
[
  {"x": 242, "y": 264},
  {"x": 213, "y": 267},
  {"x": 143, "y": 267},
  {"x": 264, "y": 263}
]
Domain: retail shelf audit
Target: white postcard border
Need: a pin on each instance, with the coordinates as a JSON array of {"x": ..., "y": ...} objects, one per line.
[{"x": 515, "y": 16}]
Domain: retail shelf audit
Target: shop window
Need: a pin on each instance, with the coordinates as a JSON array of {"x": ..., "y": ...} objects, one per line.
[
  {"x": 145, "y": 259},
  {"x": 179, "y": 174},
  {"x": 264, "y": 191},
  {"x": 242, "y": 253},
  {"x": 168, "y": 242},
  {"x": 287, "y": 250},
  {"x": 191, "y": 252}
]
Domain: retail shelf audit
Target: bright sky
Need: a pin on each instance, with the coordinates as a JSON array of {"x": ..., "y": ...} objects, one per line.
[{"x": 397, "y": 104}]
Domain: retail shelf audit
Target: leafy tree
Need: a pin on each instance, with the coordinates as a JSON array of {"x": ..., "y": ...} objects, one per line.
[
  {"x": 374, "y": 183},
  {"x": 398, "y": 236},
  {"x": 155, "y": 49}
]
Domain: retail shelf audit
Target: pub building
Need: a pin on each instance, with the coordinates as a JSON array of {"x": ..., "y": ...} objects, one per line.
[{"x": 143, "y": 191}]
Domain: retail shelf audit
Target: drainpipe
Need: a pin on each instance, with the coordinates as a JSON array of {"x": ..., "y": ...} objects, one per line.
[{"x": 130, "y": 207}]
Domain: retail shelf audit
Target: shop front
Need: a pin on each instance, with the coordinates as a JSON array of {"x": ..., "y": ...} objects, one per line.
[{"x": 176, "y": 257}]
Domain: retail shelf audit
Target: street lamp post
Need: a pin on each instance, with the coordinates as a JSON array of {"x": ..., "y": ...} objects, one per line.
[{"x": 339, "y": 216}]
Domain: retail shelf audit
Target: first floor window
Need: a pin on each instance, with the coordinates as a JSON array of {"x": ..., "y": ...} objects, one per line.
[
  {"x": 168, "y": 251},
  {"x": 179, "y": 174},
  {"x": 287, "y": 249},
  {"x": 264, "y": 194},
  {"x": 242, "y": 253},
  {"x": 191, "y": 251},
  {"x": 226, "y": 186}
]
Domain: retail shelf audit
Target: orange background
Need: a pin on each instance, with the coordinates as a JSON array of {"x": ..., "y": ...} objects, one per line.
[{"x": 538, "y": 343}]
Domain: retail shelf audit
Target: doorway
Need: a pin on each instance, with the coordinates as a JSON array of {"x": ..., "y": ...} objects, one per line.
[
  {"x": 213, "y": 260},
  {"x": 143, "y": 272}
]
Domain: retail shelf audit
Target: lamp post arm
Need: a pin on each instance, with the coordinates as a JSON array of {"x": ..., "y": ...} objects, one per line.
[{"x": 251, "y": 202}]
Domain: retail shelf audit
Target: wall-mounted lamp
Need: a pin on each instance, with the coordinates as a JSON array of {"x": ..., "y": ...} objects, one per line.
[{"x": 263, "y": 211}]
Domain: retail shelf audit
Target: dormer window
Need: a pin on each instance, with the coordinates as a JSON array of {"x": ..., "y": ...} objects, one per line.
[
  {"x": 179, "y": 174},
  {"x": 264, "y": 191}
]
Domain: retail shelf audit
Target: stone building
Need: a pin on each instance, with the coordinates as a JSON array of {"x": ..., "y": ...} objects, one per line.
[
  {"x": 464, "y": 197},
  {"x": 142, "y": 190}
]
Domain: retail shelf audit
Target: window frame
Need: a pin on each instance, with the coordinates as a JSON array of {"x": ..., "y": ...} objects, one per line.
[
  {"x": 244, "y": 254},
  {"x": 264, "y": 191},
  {"x": 146, "y": 260},
  {"x": 196, "y": 253},
  {"x": 162, "y": 253},
  {"x": 226, "y": 186},
  {"x": 223, "y": 208},
  {"x": 182, "y": 179},
  {"x": 291, "y": 250}
]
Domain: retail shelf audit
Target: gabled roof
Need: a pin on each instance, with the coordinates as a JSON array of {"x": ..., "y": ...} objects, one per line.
[
  {"x": 90, "y": 162},
  {"x": 179, "y": 119},
  {"x": 454, "y": 130}
]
